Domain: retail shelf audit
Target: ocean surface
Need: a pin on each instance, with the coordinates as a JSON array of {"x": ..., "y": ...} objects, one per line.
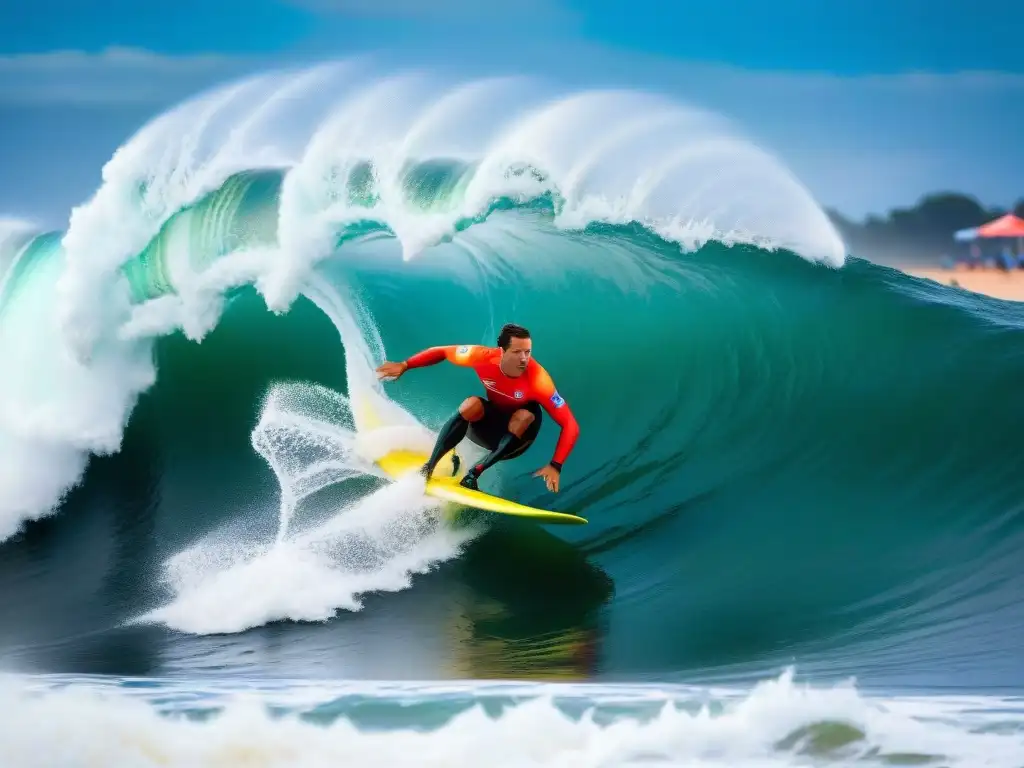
[{"x": 802, "y": 470}]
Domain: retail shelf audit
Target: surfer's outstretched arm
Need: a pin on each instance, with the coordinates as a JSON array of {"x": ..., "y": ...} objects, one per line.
[{"x": 457, "y": 354}]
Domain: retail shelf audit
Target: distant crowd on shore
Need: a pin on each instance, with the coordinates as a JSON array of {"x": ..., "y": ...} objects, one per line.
[{"x": 976, "y": 258}]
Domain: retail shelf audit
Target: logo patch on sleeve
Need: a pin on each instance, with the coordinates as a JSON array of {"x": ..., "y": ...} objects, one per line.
[
  {"x": 462, "y": 350},
  {"x": 557, "y": 400}
]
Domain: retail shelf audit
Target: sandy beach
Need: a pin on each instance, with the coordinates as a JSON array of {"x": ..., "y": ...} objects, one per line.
[{"x": 991, "y": 282}]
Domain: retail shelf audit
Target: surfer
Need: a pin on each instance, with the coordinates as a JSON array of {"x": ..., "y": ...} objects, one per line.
[{"x": 508, "y": 420}]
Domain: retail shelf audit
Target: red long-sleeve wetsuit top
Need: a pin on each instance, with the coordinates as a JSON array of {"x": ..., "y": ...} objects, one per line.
[{"x": 507, "y": 392}]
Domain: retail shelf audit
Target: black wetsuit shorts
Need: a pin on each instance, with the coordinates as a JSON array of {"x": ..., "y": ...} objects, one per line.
[{"x": 488, "y": 431}]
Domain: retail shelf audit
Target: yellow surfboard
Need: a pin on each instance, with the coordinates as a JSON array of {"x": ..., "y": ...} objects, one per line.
[{"x": 398, "y": 463}]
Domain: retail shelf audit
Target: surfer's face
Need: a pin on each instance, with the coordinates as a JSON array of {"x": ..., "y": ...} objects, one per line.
[{"x": 516, "y": 357}]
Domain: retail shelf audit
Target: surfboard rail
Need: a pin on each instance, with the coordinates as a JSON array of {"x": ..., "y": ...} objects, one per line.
[{"x": 400, "y": 463}]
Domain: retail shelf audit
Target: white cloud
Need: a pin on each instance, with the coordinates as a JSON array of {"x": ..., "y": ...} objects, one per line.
[
  {"x": 655, "y": 68},
  {"x": 112, "y": 76},
  {"x": 458, "y": 10},
  {"x": 111, "y": 58},
  {"x": 127, "y": 75},
  {"x": 917, "y": 82}
]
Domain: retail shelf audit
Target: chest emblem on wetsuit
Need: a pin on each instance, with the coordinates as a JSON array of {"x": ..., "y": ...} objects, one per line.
[{"x": 518, "y": 395}]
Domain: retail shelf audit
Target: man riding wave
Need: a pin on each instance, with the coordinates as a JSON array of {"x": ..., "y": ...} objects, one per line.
[{"x": 508, "y": 420}]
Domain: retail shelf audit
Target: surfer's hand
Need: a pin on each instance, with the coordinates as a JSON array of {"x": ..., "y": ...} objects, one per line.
[
  {"x": 550, "y": 475},
  {"x": 391, "y": 370}
]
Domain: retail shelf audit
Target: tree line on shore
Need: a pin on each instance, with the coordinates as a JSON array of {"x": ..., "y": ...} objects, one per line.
[{"x": 923, "y": 232}]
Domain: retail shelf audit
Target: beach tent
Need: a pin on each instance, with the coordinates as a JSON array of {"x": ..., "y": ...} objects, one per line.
[{"x": 1005, "y": 226}]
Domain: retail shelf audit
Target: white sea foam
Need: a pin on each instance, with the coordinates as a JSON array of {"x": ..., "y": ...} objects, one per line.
[
  {"x": 372, "y": 541},
  {"x": 226, "y": 584},
  {"x": 777, "y": 723}
]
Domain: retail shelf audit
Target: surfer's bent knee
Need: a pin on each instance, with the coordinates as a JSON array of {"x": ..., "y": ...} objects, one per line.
[
  {"x": 520, "y": 422},
  {"x": 472, "y": 409}
]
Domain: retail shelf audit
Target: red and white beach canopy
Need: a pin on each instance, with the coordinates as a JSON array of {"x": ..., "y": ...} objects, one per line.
[{"x": 1005, "y": 226}]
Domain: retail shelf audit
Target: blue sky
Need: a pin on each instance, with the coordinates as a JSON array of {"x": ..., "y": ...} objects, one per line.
[{"x": 871, "y": 104}]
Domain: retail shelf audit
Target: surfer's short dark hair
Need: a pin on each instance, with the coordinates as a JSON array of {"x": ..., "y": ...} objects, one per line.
[{"x": 510, "y": 331}]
